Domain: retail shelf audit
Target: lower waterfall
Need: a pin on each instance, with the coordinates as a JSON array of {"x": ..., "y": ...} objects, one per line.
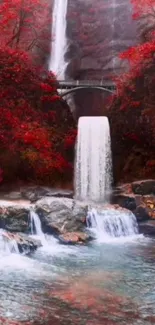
[
  {"x": 93, "y": 166},
  {"x": 93, "y": 176},
  {"x": 110, "y": 223}
]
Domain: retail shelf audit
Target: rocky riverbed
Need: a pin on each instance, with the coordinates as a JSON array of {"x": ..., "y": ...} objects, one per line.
[{"x": 65, "y": 218}]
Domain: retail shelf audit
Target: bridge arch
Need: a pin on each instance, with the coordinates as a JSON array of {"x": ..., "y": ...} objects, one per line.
[{"x": 86, "y": 87}]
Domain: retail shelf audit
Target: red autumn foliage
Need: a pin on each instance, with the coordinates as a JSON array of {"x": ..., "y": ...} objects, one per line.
[
  {"x": 144, "y": 12},
  {"x": 70, "y": 138},
  {"x": 32, "y": 141},
  {"x": 132, "y": 109},
  {"x": 22, "y": 24},
  {"x": 34, "y": 120}
]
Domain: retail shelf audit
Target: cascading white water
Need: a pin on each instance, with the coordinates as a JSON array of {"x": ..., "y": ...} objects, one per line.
[
  {"x": 35, "y": 225},
  {"x": 49, "y": 243},
  {"x": 93, "y": 166},
  {"x": 7, "y": 245},
  {"x": 59, "y": 41},
  {"x": 110, "y": 223}
]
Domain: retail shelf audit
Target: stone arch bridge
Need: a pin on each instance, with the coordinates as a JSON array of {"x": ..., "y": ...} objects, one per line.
[{"x": 67, "y": 87}]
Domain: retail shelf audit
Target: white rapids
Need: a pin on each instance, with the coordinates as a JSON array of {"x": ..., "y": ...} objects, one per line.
[
  {"x": 7, "y": 246},
  {"x": 109, "y": 224}
]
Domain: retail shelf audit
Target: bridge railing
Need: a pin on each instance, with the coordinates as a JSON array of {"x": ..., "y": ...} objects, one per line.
[{"x": 86, "y": 82}]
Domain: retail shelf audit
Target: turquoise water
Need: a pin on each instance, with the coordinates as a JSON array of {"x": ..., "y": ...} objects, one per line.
[{"x": 107, "y": 283}]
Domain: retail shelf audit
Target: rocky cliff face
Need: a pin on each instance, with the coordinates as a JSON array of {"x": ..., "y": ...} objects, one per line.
[{"x": 97, "y": 32}]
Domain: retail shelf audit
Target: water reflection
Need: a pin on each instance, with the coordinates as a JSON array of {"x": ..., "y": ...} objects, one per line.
[{"x": 104, "y": 284}]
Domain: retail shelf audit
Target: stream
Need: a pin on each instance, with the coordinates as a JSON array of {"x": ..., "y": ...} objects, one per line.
[{"x": 103, "y": 283}]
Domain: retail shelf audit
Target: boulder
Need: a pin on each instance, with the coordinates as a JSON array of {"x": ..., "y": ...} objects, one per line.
[
  {"x": 75, "y": 238},
  {"x": 14, "y": 217},
  {"x": 61, "y": 215},
  {"x": 141, "y": 213},
  {"x": 127, "y": 201},
  {"x": 58, "y": 215},
  {"x": 146, "y": 210},
  {"x": 138, "y": 197},
  {"x": 25, "y": 244},
  {"x": 144, "y": 187},
  {"x": 124, "y": 196}
]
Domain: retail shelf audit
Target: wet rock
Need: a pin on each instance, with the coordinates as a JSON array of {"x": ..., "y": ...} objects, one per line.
[
  {"x": 25, "y": 244},
  {"x": 123, "y": 189},
  {"x": 141, "y": 213},
  {"x": 125, "y": 200},
  {"x": 124, "y": 196},
  {"x": 36, "y": 193},
  {"x": 58, "y": 215},
  {"x": 61, "y": 215},
  {"x": 147, "y": 228},
  {"x": 14, "y": 217},
  {"x": 146, "y": 209},
  {"x": 32, "y": 193},
  {"x": 13, "y": 195},
  {"x": 75, "y": 238},
  {"x": 138, "y": 197},
  {"x": 144, "y": 187}
]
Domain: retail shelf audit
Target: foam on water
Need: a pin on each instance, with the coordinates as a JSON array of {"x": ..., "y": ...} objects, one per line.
[{"x": 7, "y": 245}]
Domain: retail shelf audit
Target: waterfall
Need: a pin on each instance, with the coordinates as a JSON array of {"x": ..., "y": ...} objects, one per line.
[
  {"x": 7, "y": 245},
  {"x": 110, "y": 223},
  {"x": 59, "y": 42},
  {"x": 35, "y": 225},
  {"x": 93, "y": 166}
]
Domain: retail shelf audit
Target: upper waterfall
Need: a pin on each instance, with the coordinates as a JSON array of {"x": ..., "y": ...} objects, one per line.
[
  {"x": 57, "y": 62},
  {"x": 93, "y": 166}
]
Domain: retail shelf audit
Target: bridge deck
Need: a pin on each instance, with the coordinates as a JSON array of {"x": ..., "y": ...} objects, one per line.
[{"x": 69, "y": 84}]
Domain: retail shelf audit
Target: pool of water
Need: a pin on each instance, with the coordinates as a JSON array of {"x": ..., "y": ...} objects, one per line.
[{"x": 105, "y": 283}]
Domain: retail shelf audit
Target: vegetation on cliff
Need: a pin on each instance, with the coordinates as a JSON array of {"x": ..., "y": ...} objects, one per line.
[
  {"x": 132, "y": 109},
  {"x": 36, "y": 126}
]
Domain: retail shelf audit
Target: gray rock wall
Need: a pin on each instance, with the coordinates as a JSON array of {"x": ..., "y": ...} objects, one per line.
[{"x": 97, "y": 32}]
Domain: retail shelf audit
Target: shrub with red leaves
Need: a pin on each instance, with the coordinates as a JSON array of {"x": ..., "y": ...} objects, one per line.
[
  {"x": 25, "y": 25},
  {"x": 33, "y": 121},
  {"x": 132, "y": 109}
]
